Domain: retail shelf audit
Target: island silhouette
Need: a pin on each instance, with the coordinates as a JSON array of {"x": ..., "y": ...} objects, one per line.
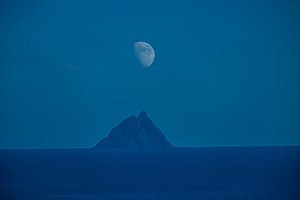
[{"x": 135, "y": 133}]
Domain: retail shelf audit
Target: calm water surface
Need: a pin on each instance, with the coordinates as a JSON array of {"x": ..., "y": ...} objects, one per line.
[{"x": 212, "y": 173}]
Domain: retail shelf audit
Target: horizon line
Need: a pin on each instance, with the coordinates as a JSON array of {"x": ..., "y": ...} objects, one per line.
[{"x": 203, "y": 146}]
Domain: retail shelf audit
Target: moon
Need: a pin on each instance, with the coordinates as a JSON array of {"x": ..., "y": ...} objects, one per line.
[{"x": 144, "y": 53}]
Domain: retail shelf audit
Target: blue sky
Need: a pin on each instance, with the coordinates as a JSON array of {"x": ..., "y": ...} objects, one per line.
[{"x": 225, "y": 72}]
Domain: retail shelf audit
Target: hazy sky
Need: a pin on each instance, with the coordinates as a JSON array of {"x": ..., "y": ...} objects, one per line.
[{"x": 225, "y": 72}]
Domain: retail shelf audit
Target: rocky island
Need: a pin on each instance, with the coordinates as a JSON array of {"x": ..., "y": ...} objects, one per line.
[{"x": 135, "y": 133}]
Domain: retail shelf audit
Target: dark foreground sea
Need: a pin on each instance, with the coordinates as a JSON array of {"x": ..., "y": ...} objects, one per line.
[{"x": 208, "y": 173}]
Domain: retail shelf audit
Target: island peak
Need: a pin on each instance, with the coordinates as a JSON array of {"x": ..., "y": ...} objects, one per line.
[{"x": 135, "y": 133}]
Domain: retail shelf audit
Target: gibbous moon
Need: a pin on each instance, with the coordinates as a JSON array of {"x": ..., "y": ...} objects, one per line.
[{"x": 144, "y": 53}]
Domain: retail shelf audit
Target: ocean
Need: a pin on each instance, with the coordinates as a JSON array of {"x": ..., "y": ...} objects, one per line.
[{"x": 204, "y": 173}]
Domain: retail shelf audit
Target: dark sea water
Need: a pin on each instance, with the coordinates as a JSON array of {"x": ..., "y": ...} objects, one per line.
[{"x": 214, "y": 173}]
